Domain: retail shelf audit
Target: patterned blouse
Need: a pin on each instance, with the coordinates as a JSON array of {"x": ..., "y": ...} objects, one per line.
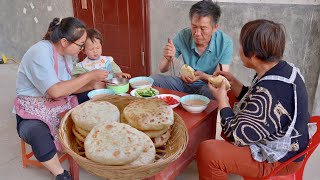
[{"x": 265, "y": 114}]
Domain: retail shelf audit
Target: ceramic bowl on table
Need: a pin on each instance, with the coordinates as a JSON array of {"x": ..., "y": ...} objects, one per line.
[
  {"x": 141, "y": 82},
  {"x": 172, "y": 100},
  {"x": 99, "y": 92},
  {"x": 144, "y": 92},
  {"x": 194, "y": 103},
  {"x": 118, "y": 85}
]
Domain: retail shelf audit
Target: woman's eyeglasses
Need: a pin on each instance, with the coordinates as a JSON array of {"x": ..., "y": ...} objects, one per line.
[{"x": 81, "y": 46}]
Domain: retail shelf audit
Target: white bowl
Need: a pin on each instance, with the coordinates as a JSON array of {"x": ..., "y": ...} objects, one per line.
[
  {"x": 194, "y": 108},
  {"x": 96, "y": 92},
  {"x": 141, "y": 82}
]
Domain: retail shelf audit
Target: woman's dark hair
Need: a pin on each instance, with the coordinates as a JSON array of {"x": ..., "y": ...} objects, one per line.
[
  {"x": 263, "y": 38},
  {"x": 70, "y": 28},
  {"x": 93, "y": 34},
  {"x": 206, "y": 8}
]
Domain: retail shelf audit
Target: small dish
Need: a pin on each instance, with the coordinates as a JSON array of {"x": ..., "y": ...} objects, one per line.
[
  {"x": 141, "y": 82},
  {"x": 97, "y": 92},
  {"x": 168, "y": 98},
  {"x": 118, "y": 85},
  {"x": 134, "y": 92},
  {"x": 194, "y": 103}
]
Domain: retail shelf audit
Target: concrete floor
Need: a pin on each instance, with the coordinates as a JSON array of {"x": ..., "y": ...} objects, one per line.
[{"x": 10, "y": 152}]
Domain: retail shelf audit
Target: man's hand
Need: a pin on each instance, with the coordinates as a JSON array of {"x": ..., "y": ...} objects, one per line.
[
  {"x": 187, "y": 79},
  {"x": 169, "y": 51}
]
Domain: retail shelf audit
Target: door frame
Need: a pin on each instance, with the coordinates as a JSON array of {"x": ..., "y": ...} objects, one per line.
[{"x": 146, "y": 27}]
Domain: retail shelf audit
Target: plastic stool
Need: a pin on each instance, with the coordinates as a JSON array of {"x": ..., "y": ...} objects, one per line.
[{"x": 26, "y": 157}]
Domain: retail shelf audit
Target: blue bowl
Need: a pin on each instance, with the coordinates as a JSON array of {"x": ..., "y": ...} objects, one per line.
[
  {"x": 141, "y": 82},
  {"x": 95, "y": 92},
  {"x": 190, "y": 103}
]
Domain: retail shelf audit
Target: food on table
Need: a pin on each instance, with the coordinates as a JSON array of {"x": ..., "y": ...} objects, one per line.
[
  {"x": 217, "y": 80},
  {"x": 187, "y": 70},
  {"x": 131, "y": 142},
  {"x": 114, "y": 144},
  {"x": 155, "y": 133},
  {"x": 149, "y": 114},
  {"x": 141, "y": 83},
  {"x": 195, "y": 102},
  {"x": 89, "y": 114},
  {"x": 161, "y": 140},
  {"x": 169, "y": 100},
  {"x": 145, "y": 92},
  {"x": 81, "y": 131},
  {"x": 148, "y": 153}
]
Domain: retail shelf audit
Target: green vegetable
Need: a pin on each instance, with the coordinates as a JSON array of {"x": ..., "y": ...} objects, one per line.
[{"x": 145, "y": 92}]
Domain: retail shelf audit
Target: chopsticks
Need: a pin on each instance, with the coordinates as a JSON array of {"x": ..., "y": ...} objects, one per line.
[{"x": 171, "y": 63}]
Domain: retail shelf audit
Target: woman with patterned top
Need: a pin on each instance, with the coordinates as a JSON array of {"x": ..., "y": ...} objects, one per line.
[{"x": 270, "y": 123}]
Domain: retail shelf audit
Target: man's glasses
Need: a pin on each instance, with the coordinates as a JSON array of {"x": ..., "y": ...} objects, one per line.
[{"x": 81, "y": 46}]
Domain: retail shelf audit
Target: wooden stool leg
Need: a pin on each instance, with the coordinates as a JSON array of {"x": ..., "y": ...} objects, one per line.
[
  {"x": 23, "y": 153},
  {"x": 74, "y": 168}
]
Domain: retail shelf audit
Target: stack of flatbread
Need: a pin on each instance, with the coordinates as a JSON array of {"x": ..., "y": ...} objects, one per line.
[
  {"x": 102, "y": 138},
  {"x": 151, "y": 116},
  {"x": 88, "y": 115}
]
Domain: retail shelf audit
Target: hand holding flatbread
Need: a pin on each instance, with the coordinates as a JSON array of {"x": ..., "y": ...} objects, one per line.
[
  {"x": 187, "y": 70},
  {"x": 217, "y": 81}
]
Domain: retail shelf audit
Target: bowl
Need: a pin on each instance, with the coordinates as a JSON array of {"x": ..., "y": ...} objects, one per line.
[
  {"x": 194, "y": 103},
  {"x": 166, "y": 99},
  {"x": 118, "y": 85},
  {"x": 141, "y": 82},
  {"x": 96, "y": 92}
]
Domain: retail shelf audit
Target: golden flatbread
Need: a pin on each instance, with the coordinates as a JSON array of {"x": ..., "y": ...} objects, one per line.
[
  {"x": 89, "y": 114},
  {"x": 148, "y": 153},
  {"x": 187, "y": 70},
  {"x": 217, "y": 80},
  {"x": 114, "y": 144},
  {"x": 149, "y": 114}
]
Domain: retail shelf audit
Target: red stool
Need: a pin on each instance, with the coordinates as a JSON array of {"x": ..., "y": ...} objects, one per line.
[
  {"x": 26, "y": 157},
  {"x": 314, "y": 142}
]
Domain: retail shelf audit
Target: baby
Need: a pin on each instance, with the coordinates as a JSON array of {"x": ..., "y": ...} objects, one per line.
[{"x": 94, "y": 60}]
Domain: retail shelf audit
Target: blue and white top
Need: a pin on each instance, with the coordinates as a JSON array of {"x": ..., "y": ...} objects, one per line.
[{"x": 272, "y": 117}]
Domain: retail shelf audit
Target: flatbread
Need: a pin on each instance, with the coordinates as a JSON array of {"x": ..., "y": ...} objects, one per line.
[
  {"x": 150, "y": 133},
  {"x": 113, "y": 144},
  {"x": 89, "y": 114},
  {"x": 149, "y": 114},
  {"x": 81, "y": 131},
  {"x": 187, "y": 70},
  {"x": 155, "y": 133},
  {"x": 217, "y": 81},
  {"x": 162, "y": 140},
  {"x": 78, "y": 135},
  {"x": 148, "y": 153},
  {"x": 80, "y": 143}
]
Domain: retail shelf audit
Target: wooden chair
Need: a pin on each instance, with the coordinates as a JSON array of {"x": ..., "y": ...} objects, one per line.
[
  {"x": 26, "y": 157},
  {"x": 298, "y": 175}
]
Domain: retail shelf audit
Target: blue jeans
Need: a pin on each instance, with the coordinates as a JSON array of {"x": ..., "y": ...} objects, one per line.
[{"x": 175, "y": 83}]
